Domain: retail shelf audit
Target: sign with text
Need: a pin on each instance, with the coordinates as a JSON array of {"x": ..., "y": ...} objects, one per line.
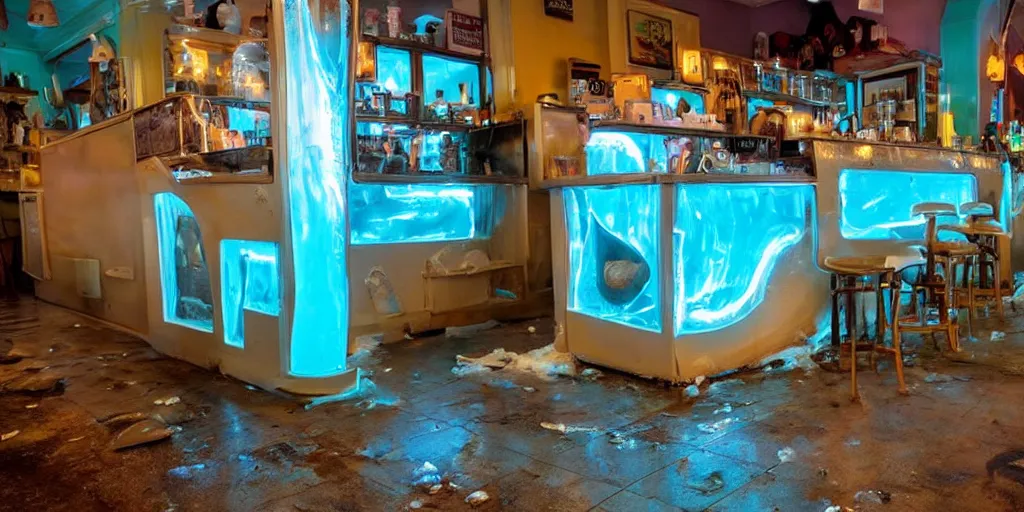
[
  {"x": 558, "y": 9},
  {"x": 875, "y": 6},
  {"x": 465, "y": 33}
]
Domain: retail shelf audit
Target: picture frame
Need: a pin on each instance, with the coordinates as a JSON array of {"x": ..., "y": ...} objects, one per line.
[
  {"x": 561, "y": 9},
  {"x": 650, "y": 40}
]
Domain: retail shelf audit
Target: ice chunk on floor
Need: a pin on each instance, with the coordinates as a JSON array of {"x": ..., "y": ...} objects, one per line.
[{"x": 545, "y": 362}]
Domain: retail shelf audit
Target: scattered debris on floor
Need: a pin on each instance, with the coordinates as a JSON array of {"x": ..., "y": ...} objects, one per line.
[
  {"x": 145, "y": 432},
  {"x": 998, "y": 335},
  {"x": 853, "y": 442},
  {"x": 934, "y": 378},
  {"x": 36, "y": 383},
  {"x": 31, "y": 406},
  {"x": 469, "y": 331},
  {"x": 9, "y": 435},
  {"x": 590, "y": 374},
  {"x": 567, "y": 429},
  {"x": 874, "y": 497},
  {"x": 416, "y": 504},
  {"x": 477, "y": 498},
  {"x": 426, "y": 476},
  {"x": 545, "y": 362},
  {"x": 711, "y": 428},
  {"x": 529, "y": 389},
  {"x": 531, "y": 329},
  {"x": 786, "y": 454},
  {"x": 790, "y": 359},
  {"x": 709, "y": 485},
  {"x": 692, "y": 391},
  {"x": 724, "y": 409},
  {"x": 186, "y": 472},
  {"x": 168, "y": 401}
]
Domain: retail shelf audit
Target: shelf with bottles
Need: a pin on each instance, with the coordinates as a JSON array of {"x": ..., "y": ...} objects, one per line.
[
  {"x": 183, "y": 125},
  {"x": 416, "y": 84},
  {"x": 390, "y": 150},
  {"x": 216, "y": 64}
]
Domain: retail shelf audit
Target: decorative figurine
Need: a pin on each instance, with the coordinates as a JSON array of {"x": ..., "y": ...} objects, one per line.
[
  {"x": 394, "y": 19},
  {"x": 224, "y": 15},
  {"x": 371, "y": 22},
  {"x": 449, "y": 154}
]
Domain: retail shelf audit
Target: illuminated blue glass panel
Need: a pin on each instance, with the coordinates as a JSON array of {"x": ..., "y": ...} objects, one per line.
[
  {"x": 610, "y": 152},
  {"x": 672, "y": 97},
  {"x": 613, "y": 253},
  {"x": 445, "y": 74},
  {"x": 249, "y": 280},
  {"x": 394, "y": 70},
  {"x": 184, "y": 278},
  {"x": 727, "y": 240},
  {"x": 876, "y": 205},
  {"x": 753, "y": 104},
  {"x": 317, "y": 48},
  {"x": 409, "y": 213}
]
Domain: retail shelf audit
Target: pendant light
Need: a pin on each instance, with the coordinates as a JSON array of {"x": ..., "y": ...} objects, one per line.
[{"x": 42, "y": 14}]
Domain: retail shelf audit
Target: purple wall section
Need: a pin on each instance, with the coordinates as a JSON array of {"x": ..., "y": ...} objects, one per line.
[
  {"x": 724, "y": 25},
  {"x": 915, "y": 22},
  {"x": 730, "y": 27}
]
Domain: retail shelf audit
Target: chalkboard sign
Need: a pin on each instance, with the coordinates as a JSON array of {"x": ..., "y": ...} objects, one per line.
[{"x": 558, "y": 9}]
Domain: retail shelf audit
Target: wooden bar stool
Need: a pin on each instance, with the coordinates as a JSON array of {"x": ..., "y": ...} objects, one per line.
[
  {"x": 938, "y": 292},
  {"x": 986, "y": 232},
  {"x": 873, "y": 274}
]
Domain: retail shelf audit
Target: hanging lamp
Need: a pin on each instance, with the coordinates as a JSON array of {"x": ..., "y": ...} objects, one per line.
[{"x": 42, "y": 14}]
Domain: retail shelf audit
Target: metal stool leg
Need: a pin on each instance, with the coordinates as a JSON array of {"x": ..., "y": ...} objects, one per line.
[
  {"x": 851, "y": 329},
  {"x": 896, "y": 336},
  {"x": 997, "y": 272}
]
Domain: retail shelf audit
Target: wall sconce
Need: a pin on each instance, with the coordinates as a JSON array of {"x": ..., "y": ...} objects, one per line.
[
  {"x": 42, "y": 14},
  {"x": 995, "y": 68},
  {"x": 366, "y": 62}
]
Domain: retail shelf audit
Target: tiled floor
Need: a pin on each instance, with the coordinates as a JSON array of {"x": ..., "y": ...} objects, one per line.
[{"x": 789, "y": 441}]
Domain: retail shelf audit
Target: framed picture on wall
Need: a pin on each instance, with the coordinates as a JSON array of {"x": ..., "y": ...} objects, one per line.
[{"x": 650, "y": 40}]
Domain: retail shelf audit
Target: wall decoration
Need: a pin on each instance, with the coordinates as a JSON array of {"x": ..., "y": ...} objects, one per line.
[
  {"x": 875, "y": 6},
  {"x": 650, "y": 40},
  {"x": 558, "y": 9},
  {"x": 465, "y": 32}
]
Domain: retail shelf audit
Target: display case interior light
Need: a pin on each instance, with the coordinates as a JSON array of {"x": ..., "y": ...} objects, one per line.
[
  {"x": 388, "y": 148},
  {"x": 366, "y": 62},
  {"x": 727, "y": 241},
  {"x": 446, "y": 74},
  {"x": 425, "y": 212},
  {"x": 394, "y": 70},
  {"x": 719, "y": 63},
  {"x": 250, "y": 281},
  {"x": 184, "y": 277},
  {"x": 317, "y": 64},
  {"x": 612, "y": 152},
  {"x": 613, "y": 254},
  {"x": 693, "y": 67},
  {"x": 671, "y": 98},
  {"x": 877, "y": 204}
]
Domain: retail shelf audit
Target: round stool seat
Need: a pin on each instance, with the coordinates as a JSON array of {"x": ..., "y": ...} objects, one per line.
[
  {"x": 936, "y": 209},
  {"x": 857, "y": 265},
  {"x": 977, "y": 209},
  {"x": 955, "y": 248}
]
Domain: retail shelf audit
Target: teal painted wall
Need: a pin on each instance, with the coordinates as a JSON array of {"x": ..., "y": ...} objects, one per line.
[{"x": 966, "y": 25}]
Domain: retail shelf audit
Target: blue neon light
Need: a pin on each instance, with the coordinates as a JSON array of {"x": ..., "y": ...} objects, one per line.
[
  {"x": 727, "y": 240},
  {"x": 876, "y": 205},
  {"x": 415, "y": 213},
  {"x": 250, "y": 280},
  {"x": 319, "y": 147},
  {"x": 613, "y": 253},
  {"x": 611, "y": 152},
  {"x": 184, "y": 278}
]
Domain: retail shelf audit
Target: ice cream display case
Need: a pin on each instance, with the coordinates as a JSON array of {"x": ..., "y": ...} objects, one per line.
[{"x": 673, "y": 271}]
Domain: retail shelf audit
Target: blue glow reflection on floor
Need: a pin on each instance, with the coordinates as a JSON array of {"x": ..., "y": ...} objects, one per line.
[
  {"x": 727, "y": 239},
  {"x": 319, "y": 146},
  {"x": 628, "y": 217},
  {"x": 250, "y": 280},
  {"x": 876, "y": 205},
  {"x": 169, "y": 210},
  {"x": 415, "y": 213}
]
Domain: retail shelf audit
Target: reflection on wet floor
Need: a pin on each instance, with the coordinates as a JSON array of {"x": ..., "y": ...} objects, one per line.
[{"x": 504, "y": 436}]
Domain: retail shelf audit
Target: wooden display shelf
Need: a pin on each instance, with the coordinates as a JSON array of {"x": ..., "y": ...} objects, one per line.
[
  {"x": 437, "y": 177},
  {"x": 409, "y": 44}
]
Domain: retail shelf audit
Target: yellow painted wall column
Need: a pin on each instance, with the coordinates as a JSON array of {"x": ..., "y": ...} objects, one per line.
[{"x": 142, "y": 41}]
